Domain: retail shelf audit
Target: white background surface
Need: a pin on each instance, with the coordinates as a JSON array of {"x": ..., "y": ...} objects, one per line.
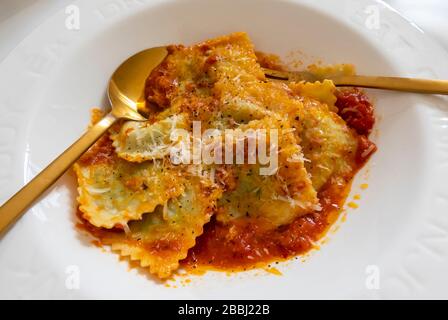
[{"x": 19, "y": 17}]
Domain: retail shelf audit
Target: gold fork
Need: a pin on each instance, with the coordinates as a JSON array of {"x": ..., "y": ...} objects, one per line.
[{"x": 385, "y": 83}]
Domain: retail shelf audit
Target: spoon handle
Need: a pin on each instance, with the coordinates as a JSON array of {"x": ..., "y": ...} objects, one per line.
[
  {"x": 12, "y": 209},
  {"x": 394, "y": 83}
]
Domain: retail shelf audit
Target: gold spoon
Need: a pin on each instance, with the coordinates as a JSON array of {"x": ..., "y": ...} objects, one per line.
[
  {"x": 126, "y": 94},
  {"x": 386, "y": 83}
]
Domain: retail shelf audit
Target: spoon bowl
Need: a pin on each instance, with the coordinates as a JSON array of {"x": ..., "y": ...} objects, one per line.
[{"x": 127, "y": 84}]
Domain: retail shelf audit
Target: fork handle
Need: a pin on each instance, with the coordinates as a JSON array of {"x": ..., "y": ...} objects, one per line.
[
  {"x": 12, "y": 209},
  {"x": 394, "y": 83}
]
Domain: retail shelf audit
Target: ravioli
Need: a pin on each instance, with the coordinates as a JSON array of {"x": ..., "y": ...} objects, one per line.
[
  {"x": 113, "y": 191},
  {"x": 254, "y": 103},
  {"x": 138, "y": 141},
  {"x": 328, "y": 144},
  {"x": 202, "y": 80},
  {"x": 279, "y": 197},
  {"x": 162, "y": 238}
]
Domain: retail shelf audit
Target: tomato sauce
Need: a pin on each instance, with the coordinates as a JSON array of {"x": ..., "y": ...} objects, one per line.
[
  {"x": 160, "y": 83},
  {"x": 357, "y": 111},
  {"x": 101, "y": 152}
]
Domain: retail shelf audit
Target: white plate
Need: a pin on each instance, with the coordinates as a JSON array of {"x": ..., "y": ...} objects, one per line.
[{"x": 55, "y": 76}]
